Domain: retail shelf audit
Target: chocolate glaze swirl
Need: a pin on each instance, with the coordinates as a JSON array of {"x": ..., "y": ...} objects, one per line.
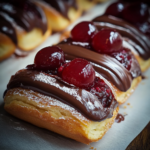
[
  {"x": 135, "y": 67},
  {"x": 62, "y": 6},
  {"x": 24, "y": 13},
  {"x": 105, "y": 65},
  {"x": 135, "y": 37},
  {"x": 7, "y": 28},
  {"x": 53, "y": 86}
]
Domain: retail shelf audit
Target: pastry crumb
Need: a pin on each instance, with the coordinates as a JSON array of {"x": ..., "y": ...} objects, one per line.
[
  {"x": 91, "y": 147},
  {"x": 128, "y": 103},
  {"x": 125, "y": 107}
]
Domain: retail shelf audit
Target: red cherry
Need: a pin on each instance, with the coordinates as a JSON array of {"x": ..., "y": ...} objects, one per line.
[
  {"x": 61, "y": 68},
  {"x": 107, "y": 41},
  {"x": 79, "y": 72},
  {"x": 49, "y": 58},
  {"x": 83, "y": 31},
  {"x": 136, "y": 13},
  {"x": 115, "y": 9}
]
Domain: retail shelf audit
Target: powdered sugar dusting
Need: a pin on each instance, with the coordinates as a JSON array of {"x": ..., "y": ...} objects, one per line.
[
  {"x": 19, "y": 128},
  {"x": 52, "y": 81},
  {"x": 46, "y": 101}
]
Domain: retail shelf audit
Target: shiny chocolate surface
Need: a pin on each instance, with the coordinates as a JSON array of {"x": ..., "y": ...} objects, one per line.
[
  {"x": 105, "y": 65},
  {"x": 53, "y": 86}
]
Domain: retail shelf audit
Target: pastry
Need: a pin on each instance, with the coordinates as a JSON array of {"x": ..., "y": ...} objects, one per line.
[
  {"x": 105, "y": 50},
  {"x": 125, "y": 20},
  {"x": 8, "y": 39},
  {"x": 24, "y": 25},
  {"x": 75, "y": 102},
  {"x": 60, "y": 13}
]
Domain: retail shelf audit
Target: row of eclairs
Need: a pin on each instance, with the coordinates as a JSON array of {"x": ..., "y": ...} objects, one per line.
[
  {"x": 32, "y": 22},
  {"x": 75, "y": 87}
]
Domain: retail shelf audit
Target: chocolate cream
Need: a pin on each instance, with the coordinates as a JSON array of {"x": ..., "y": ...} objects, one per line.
[
  {"x": 53, "y": 86},
  {"x": 136, "y": 38}
]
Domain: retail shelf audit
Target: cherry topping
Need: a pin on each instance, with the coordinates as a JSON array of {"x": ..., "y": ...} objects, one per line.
[
  {"x": 78, "y": 72},
  {"x": 61, "y": 68},
  {"x": 102, "y": 91},
  {"x": 107, "y": 41},
  {"x": 124, "y": 57},
  {"x": 115, "y": 9},
  {"x": 83, "y": 31},
  {"x": 136, "y": 13},
  {"x": 49, "y": 58}
]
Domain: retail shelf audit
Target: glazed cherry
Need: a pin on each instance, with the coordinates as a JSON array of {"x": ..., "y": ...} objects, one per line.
[
  {"x": 78, "y": 72},
  {"x": 136, "y": 13},
  {"x": 83, "y": 31},
  {"x": 49, "y": 58},
  {"x": 107, "y": 41},
  {"x": 115, "y": 9}
]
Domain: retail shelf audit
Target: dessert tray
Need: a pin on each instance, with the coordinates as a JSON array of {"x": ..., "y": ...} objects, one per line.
[{"x": 18, "y": 134}]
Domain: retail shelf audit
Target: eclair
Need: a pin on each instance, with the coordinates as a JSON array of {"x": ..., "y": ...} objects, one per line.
[
  {"x": 104, "y": 48},
  {"x": 67, "y": 97},
  {"x": 24, "y": 25},
  {"x": 59, "y": 13},
  {"x": 8, "y": 39},
  {"x": 122, "y": 16}
]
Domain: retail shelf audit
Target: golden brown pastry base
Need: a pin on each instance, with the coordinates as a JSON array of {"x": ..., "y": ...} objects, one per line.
[
  {"x": 122, "y": 97},
  {"x": 55, "y": 20},
  {"x": 29, "y": 40},
  {"x": 144, "y": 64},
  {"x": 48, "y": 113},
  {"x": 7, "y": 47}
]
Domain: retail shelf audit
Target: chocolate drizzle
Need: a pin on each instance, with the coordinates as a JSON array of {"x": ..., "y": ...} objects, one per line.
[
  {"x": 62, "y": 6},
  {"x": 23, "y": 13},
  {"x": 126, "y": 30},
  {"x": 135, "y": 68},
  {"x": 105, "y": 65},
  {"x": 53, "y": 86},
  {"x": 119, "y": 118}
]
